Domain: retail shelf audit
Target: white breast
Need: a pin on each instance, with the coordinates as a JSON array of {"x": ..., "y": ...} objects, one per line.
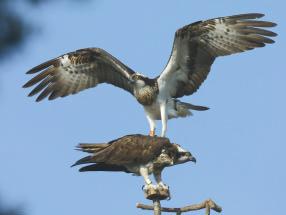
[{"x": 135, "y": 168}]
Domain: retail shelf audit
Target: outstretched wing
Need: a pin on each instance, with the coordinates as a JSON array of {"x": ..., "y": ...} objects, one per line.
[
  {"x": 76, "y": 71},
  {"x": 197, "y": 45}
]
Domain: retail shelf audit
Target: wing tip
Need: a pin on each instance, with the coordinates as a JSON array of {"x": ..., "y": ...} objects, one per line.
[
  {"x": 274, "y": 24},
  {"x": 273, "y": 34},
  {"x": 52, "y": 62},
  {"x": 269, "y": 24},
  {"x": 30, "y": 94},
  {"x": 73, "y": 165},
  {"x": 249, "y": 16},
  {"x": 26, "y": 85},
  {"x": 83, "y": 169},
  {"x": 245, "y": 16},
  {"x": 259, "y": 15},
  {"x": 31, "y": 71},
  {"x": 270, "y": 41},
  {"x": 39, "y": 98},
  {"x": 255, "y": 15}
]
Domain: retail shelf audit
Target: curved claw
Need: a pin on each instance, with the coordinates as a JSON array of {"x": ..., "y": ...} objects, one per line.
[
  {"x": 148, "y": 186},
  {"x": 164, "y": 186}
]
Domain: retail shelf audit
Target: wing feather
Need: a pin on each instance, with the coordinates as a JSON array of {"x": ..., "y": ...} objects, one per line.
[
  {"x": 128, "y": 150},
  {"x": 41, "y": 85},
  {"x": 76, "y": 71},
  {"x": 197, "y": 45}
]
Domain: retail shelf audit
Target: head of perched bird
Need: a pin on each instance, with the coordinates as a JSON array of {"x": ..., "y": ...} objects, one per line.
[
  {"x": 183, "y": 156},
  {"x": 139, "y": 79},
  {"x": 173, "y": 155}
]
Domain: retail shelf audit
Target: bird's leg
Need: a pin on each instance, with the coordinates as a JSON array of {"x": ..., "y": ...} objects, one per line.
[
  {"x": 158, "y": 179},
  {"x": 164, "y": 118},
  {"x": 152, "y": 124},
  {"x": 144, "y": 173},
  {"x": 152, "y": 133}
]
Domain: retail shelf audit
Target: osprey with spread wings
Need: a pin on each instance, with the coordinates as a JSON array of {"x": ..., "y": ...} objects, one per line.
[{"x": 195, "y": 48}]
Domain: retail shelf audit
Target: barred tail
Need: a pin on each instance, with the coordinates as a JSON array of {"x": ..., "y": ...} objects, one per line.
[
  {"x": 84, "y": 160},
  {"x": 193, "y": 107},
  {"x": 183, "y": 108},
  {"x": 92, "y": 148}
]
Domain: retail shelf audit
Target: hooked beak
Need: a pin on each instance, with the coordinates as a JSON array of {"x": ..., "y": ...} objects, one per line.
[{"x": 193, "y": 159}]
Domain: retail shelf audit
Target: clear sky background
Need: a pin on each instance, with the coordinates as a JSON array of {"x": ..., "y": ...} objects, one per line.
[{"x": 239, "y": 143}]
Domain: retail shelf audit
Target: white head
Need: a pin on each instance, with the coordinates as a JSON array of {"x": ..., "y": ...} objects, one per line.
[{"x": 183, "y": 155}]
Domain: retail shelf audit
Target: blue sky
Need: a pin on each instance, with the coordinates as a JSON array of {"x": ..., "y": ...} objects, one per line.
[{"x": 239, "y": 143}]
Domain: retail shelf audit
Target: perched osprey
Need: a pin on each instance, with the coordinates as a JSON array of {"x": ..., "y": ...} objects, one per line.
[
  {"x": 137, "y": 154},
  {"x": 195, "y": 48}
]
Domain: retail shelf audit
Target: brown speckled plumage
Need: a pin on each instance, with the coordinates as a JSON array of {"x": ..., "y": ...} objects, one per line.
[
  {"x": 203, "y": 41},
  {"x": 200, "y": 42},
  {"x": 75, "y": 71},
  {"x": 195, "y": 48},
  {"x": 147, "y": 95},
  {"x": 134, "y": 149}
]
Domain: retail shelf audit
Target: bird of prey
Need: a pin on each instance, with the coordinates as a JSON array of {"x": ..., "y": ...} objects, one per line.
[
  {"x": 195, "y": 48},
  {"x": 137, "y": 154}
]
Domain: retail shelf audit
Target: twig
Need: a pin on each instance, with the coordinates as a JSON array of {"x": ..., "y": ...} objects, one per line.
[{"x": 208, "y": 205}]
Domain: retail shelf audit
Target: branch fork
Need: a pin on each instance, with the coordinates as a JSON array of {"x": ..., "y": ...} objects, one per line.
[{"x": 157, "y": 194}]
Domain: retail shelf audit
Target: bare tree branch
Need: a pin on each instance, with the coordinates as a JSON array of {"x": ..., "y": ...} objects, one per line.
[{"x": 207, "y": 204}]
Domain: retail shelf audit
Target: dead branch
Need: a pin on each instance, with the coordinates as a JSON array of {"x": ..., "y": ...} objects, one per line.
[
  {"x": 207, "y": 204},
  {"x": 157, "y": 207}
]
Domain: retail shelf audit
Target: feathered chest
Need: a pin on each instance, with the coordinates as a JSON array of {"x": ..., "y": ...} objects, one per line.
[
  {"x": 158, "y": 164},
  {"x": 147, "y": 94}
]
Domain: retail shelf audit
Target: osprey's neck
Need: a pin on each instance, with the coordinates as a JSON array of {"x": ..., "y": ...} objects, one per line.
[{"x": 147, "y": 94}]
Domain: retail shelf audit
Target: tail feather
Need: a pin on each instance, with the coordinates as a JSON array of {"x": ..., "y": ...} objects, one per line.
[
  {"x": 183, "y": 108},
  {"x": 95, "y": 150},
  {"x": 194, "y": 107},
  {"x": 84, "y": 160},
  {"x": 92, "y": 148}
]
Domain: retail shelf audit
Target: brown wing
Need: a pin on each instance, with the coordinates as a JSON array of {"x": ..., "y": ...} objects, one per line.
[
  {"x": 104, "y": 167},
  {"x": 197, "y": 45},
  {"x": 75, "y": 71},
  {"x": 136, "y": 149},
  {"x": 131, "y": 149}
]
